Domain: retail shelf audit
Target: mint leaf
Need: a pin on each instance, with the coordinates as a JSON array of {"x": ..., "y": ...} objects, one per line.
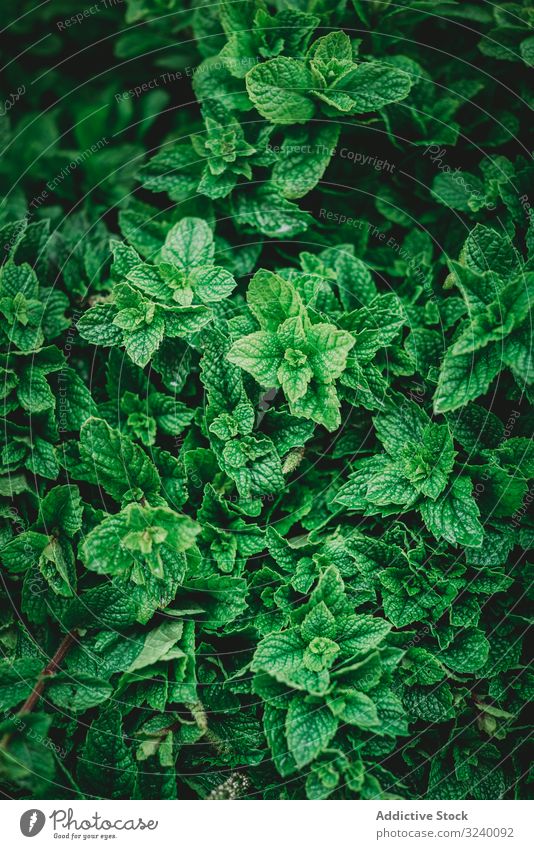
[
  {"x": 310, "y": 728},
  {"x": 280, "y": 90},
  {"x": 455, "y": 515},
  {"x": 189, "y": 244}
]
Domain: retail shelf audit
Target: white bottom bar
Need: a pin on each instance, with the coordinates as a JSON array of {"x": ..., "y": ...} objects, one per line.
[{"x": 264, "y": 825}]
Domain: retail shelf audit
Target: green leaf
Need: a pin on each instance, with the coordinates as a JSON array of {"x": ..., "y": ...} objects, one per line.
[
  {"x": 421, "y": 667},
  {"x": 212, "y": 284},
  {"x": 62, "y": 509},
  {"x": 329, "y": 348},
  {"x": 24, "y": 551},
  {"x": 310, "y": 727},
  {"x": 320, "y": 404},
  {"x": 34, "y": 392},
  {"x": 455, "y": 515},
  {"x": 18, "y": 678},
  {"x": 272, "y": 299},
  {"x": 486, "y": 249},
  {"x": 75, "y": 403},
  {"x": 260, "y": 355},
  {"x": 398, "y": 425},
  {"x": 373, "y": 85},
  {"x": 57, "y": 566},
  {"x": 79, "y": 692},
  {"x": 106, "y": 606},
  {"x": 362, "y": 633},
  {"x": 158, "y": 643},
  {"x": 303, "y": 159},
  {"x": 106, "y": 768},
  {"x": 431, "y": 704},
  {"x": 96, "y": 325},
  {"x": 355, "y": 708},
  {"x": 428, "y": 465},
  {"x": 262, "y": 209},
  {"x": 463, "y": 378},
  {"x": 189, "y": 244},
  {"x": 28, "y": 764},
  {"x": 280, "y": 90},
  {"x": 282, "y": 656},
  {"x": 468, "y": 651},
  {"x": 319, "y": 622},
  {"x": 138, "y": 541},
  {"x": 142, "y": 343},
  {"x": 333, "y": 46},
  {"x": 114, "y": 461}
]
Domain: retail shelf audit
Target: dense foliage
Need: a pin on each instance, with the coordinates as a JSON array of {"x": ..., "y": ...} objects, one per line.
[{"x": 265, "y": 329}]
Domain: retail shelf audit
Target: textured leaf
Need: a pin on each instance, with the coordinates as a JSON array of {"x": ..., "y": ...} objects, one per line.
[
  {"x": 465, "y": 377},
  {"x": 280, "y": 90},
  {"x": 260, "y": 355},
  {"x": 303, "y": 159},
  {"x": 455, "y": 515},
  {"x": 310, "y": 728},
  {"x": 189, "y": 244},
  {"x": 114, "y": 461},
  {"x": 373, "y": 85},
  {"x": 468, "y": 651},
  {"x": 106, "y": 768}
]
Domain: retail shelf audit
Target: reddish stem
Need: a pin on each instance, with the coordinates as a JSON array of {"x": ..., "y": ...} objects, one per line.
[{"x": 51, "y": 667}]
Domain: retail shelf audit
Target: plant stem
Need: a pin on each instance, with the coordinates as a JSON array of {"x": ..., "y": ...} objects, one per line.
[{"x": 52, "y": 666}]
